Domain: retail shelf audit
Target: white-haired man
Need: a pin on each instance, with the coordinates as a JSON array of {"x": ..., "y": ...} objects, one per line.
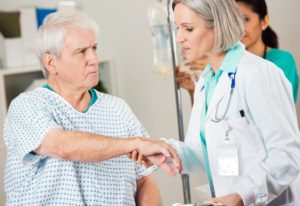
[{"x": 67, "y": 143}]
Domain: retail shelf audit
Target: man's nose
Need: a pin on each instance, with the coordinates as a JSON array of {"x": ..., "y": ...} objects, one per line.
[{"x": 92, "y": 57}]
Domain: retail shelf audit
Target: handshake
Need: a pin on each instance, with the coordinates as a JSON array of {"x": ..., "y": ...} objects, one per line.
[{"x": 152, "y": 151}]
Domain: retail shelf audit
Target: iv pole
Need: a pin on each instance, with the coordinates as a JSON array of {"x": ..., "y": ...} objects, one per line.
[{"x": 184, "y": 177}]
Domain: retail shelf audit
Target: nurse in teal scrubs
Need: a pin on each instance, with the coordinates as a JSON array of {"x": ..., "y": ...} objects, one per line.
[{"x": 261, "y": 40}]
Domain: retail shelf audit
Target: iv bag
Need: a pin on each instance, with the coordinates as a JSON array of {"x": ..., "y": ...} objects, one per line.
[{"x": 160, "y": 33}]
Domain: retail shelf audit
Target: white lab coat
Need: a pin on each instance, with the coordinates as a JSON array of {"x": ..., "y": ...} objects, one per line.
[{"x": 268, "y": 138}]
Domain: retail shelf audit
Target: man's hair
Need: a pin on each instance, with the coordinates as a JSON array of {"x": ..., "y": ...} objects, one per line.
[
  {"x": 52, "y": 34},
  {"x": 221, "y": 15}
]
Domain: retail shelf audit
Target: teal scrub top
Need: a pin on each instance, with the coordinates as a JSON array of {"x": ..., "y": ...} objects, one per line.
[{"x": 285, "y": 61}]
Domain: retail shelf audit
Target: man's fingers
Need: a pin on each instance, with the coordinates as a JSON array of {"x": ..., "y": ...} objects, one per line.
[
  {"x": 129, "y": 155},
  {"x": 134, "y": 155},
  {"x": 145, "y": 164},
  {"x": 139, "y": 158}
]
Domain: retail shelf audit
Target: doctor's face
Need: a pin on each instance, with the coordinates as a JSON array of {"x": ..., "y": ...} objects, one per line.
[
  {"x": 78, "y": 64},
  {"x": 194, "y": 36}
]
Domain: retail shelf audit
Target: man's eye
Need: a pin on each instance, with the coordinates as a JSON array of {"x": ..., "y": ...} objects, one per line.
[{"x": 189, "y": 29}]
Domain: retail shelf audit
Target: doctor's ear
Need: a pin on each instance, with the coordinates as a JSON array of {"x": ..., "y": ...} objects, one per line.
[{"x": 49, "y": 61}]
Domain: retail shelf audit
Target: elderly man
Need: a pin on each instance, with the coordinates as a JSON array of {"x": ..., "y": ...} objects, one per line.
[{"x": 67, "y": 143}]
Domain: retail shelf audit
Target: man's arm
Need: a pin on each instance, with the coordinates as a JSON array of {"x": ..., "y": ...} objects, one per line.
[
  {"x": 86, "y": 147},
  {"x": 147, "y": 192}
]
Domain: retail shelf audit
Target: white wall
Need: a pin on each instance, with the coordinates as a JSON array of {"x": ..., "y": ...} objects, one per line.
[
  {"x": 125, "y": 38},
  {"x": 284, "y": 16}
]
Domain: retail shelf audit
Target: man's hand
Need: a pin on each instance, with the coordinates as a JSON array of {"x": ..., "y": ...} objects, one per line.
[
  {"x": 157, "y": 152},
  {"x": 229, "y": 200}
]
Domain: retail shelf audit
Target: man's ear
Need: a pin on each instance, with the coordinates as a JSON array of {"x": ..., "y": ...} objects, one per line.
[{"x": 49, "y": 61}]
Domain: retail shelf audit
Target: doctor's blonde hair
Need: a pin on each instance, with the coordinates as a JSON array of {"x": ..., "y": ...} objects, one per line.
[
  {"x": 221, "y": 15},
  {"x": 51, "y": 35}
]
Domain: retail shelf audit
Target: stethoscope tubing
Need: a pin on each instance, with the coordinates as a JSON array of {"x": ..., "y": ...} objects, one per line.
[{"x": 218, "y": 118}]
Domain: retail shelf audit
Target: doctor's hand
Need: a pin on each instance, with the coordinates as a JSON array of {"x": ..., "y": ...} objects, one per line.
[
  {"x": 229, "y": 200},
  {"x": 168, "y": 165},
  {"x": 164, "y": 156}
]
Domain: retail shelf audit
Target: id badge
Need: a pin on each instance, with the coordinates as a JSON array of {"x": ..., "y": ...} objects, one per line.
[{"x": 228, "y": 160}]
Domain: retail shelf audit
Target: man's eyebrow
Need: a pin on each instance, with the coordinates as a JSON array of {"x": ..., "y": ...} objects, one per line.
[
  {"x": 84, "y": 47},
  {"x": 80, "y": 49}
]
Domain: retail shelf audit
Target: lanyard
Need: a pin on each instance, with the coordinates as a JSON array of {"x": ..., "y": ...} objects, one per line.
[{"x": 202, "y": 133}]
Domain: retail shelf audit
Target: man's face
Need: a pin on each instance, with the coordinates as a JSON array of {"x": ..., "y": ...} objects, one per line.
[{"x": 77, "y": 67}]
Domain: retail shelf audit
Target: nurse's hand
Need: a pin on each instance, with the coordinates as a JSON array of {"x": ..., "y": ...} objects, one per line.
[
  {"x": 185, "y": 81},
  {"x": 229, "y": 200}
]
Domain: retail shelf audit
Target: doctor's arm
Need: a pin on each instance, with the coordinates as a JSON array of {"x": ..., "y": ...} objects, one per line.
[
  {"x": 87, "y": 147},
  {"x": 190, "y": 151}
]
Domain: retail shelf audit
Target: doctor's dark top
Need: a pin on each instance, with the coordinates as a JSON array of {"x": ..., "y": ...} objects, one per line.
[
  {"x": 31, "y": 179},
  {"x": 285, "y": 61},
  {"x": 266, "y": 134}
]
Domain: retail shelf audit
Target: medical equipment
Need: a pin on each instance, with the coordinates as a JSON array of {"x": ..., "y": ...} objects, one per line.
[
  {"x": 162, "y": 10},
  {"x": 218, "y": 115},
  {"x": 160, "y": 33}
]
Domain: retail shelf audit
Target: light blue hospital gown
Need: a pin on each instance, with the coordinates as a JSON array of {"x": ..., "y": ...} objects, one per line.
[{"x": 40, "y": 180}]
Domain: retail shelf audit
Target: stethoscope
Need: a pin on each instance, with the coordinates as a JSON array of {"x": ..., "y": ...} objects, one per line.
[{"x": 218, "y": 115}]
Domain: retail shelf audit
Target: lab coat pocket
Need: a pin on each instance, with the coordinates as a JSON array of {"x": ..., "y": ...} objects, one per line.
[{"x": 245, "y": 136}]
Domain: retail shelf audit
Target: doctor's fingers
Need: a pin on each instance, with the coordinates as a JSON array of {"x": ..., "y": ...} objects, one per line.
[
  {"x": 169, "y": 169},
  {"x": 161, "y": 161},
  {"x": 176, "y": 161},
  {"x": 233, "y": 199}
]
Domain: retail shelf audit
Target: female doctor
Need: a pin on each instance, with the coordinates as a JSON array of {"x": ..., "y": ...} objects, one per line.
[{"x": 243, "y": 129}]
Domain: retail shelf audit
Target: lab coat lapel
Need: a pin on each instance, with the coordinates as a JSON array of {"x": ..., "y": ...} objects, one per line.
[{"x": 223, "y": 86}]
